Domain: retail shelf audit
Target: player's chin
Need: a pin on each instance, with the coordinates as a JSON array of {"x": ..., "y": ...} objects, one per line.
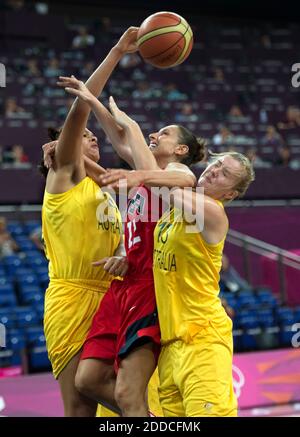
[
  {"x": 153, "y": 150},
  {"x": 94, "y": 155}
]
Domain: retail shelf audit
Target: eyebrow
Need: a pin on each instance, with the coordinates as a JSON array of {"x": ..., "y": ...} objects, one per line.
[
  {"x": 164, "y": 130},
  {"x": 231, "y": 172},
  {"x": 217, "y": 162},
  {"x": 227, "y": 172}
]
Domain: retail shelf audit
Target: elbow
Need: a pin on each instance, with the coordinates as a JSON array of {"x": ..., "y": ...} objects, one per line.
[{"x": 192, "y": 181}]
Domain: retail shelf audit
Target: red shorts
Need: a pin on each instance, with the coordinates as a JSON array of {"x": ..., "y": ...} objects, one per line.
[{"x": 127, "y": 318}]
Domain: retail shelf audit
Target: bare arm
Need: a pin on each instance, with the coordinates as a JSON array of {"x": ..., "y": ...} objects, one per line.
[
  {"x": 68, "y": 151},
  {"x": 178, "y": 175},
  {"x": 120, "y": 250},
  {"x": 175, "y": 175},
  {"x": 142, "y": 156},
  {"x": 117, "y": 178},
  {"x": 122, "y": 139},
  {"x": 170, "y": 179},
  {"x": 113, "y": 131},
  {"x": 210, "y": 217}
]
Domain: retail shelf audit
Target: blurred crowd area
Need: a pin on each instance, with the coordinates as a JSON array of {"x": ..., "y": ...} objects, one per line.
[{"x": 235, "y": 88}]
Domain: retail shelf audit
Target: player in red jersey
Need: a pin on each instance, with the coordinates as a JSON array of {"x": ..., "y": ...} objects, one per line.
[
  {"x": 125, "y": 333},
  {"x": 125, "y": 329}
]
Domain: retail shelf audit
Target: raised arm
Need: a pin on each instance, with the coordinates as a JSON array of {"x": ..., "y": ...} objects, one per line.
[
  {"x": 116, "y": 134},
  {"x": 68, "y": 152},
  {"x": 141, "y": 154},
  {"x": 113, "y": 131}
]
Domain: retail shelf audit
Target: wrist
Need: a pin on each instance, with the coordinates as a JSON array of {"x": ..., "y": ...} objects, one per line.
[
  {"x": 143, "y": 176},
  {"x": 120, "y": 251},
  {"x": 129, "y": 126},
  {"x": 132, "y": 126},
  {"x": 117, "y": 51},
  {"x": 92, "y": 101}
]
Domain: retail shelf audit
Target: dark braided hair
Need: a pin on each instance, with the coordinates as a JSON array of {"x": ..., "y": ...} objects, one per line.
[{"x": 197, "y": 146}]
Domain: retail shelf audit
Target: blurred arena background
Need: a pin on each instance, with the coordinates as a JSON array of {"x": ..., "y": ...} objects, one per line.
[{"x": 236, "y": 90}]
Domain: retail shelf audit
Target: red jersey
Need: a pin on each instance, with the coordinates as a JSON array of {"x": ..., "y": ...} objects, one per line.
[{"x": 143, "y": 212}]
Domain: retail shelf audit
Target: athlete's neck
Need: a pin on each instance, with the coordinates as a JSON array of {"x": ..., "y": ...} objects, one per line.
[{"x": 164, "y": 161}]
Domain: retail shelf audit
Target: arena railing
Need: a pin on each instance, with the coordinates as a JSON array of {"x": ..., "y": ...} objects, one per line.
[{"x": 283, "y": 257}]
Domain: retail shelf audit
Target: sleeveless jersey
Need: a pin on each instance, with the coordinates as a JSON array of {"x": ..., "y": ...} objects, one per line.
[
  {"x": 186, "y": 274},
  {"x": 80, "y": 226},
  {"x": 143, "y": 211}
]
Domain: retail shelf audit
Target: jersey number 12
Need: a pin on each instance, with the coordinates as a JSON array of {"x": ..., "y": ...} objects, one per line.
[{"x": 132, "y": 240}]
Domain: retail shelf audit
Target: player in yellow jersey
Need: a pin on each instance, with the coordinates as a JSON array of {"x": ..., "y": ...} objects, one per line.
[
  {"x": 80, "y": 224},
  {"x": 195, "y": 364}
]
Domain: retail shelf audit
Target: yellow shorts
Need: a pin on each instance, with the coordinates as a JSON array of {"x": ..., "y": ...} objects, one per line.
[
  {"x": 196, "y": 378},
  {"x": 153, "y": 400},
  {"x": 69, "y": 310}
]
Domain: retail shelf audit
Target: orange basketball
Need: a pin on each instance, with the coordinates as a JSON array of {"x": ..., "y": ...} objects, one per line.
[{"x": 165, "y": 39}]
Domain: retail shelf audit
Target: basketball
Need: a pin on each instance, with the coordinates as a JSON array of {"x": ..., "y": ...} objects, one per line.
[{"x": 165, "y": 39}]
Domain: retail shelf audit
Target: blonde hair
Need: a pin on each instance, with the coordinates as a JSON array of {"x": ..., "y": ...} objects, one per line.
[{"x": 248, "y": 174}]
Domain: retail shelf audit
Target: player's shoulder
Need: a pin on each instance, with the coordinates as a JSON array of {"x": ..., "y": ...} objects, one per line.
[
  {"x": 215, "y": 209},
  {"x": 178, "y": 166}
]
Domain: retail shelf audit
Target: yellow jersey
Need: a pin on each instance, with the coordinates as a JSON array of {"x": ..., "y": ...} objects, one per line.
[
  {"x": 80, "y": 226},
  {"x": 186, "y": 274}
]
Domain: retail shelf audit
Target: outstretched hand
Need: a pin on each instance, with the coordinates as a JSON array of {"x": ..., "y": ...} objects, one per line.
[
  {"x": 121, "y": 117},
  {"x": 75, "y": 87},
  {"x": 128, "y": 41}
]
